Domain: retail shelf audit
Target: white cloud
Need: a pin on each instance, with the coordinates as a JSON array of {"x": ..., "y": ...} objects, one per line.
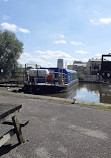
[
  {"x": 5, "y": 17},
  {"x": 61, "y": 36},
  {"x": 105, "y": 20},
  {"x": 76, "y": 43},
  {"x": 81, "y": 52},
  {"x": 10, "y": 27},
  {"x": 60, "y": 42},
  {"x": 94, "y": 21},
  {"x": 13, "y": 28},
  {"x": 100, "y": 21},
  {"x": 48, "y": 54},
  {"x": 27, "y": 58},
  {"x": 23, "y": 30},
  {"x": 40, "y": 52},
  {"x": 85, "y": 60},
  {"x": 46, "y": 58},
  {"x": 98, "y": 55},
  {"x": 53, "y": 54}
]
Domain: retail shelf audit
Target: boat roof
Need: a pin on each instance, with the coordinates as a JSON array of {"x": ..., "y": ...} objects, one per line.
[{"x": 56, "y": 68}]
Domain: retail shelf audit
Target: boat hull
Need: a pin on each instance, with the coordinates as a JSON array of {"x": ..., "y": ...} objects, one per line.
[{"x": 49, "y": 89}]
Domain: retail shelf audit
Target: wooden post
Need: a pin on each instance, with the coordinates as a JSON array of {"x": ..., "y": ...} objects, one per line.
[{"x": 17, "y": 129}]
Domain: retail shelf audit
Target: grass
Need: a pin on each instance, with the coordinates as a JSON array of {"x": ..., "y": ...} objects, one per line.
[
  {"x": 108, "y": 108},
  {"x": 103, "y": 107}
]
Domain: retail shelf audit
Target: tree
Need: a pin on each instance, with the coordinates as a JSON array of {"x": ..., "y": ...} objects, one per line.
[
  {"x": 81, "y": 76},
  {"x": 10, "y": 50}
]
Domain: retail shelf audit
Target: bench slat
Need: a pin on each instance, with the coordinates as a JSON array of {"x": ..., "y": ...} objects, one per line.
[
  {"x": 6, "y": 137},
  {"x": 21, "y": 124}
]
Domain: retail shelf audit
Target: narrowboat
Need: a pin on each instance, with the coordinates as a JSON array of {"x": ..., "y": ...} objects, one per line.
[{"x": 49, "y": 80}]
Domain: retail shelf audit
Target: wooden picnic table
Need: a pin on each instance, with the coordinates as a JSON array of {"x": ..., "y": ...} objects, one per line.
[{"x": 9, "y": 111}]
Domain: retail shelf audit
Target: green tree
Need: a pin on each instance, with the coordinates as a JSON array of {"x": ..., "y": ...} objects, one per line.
[
  {"x": 81, "y": 76},
  {"x": 10, "y": 50}
]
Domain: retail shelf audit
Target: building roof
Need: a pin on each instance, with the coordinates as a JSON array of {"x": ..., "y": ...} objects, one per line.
[
  {"x": 96, "y": 60},
  {"x": 80, "y": 64}
]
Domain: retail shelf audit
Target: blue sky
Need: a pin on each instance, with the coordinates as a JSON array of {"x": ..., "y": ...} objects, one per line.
[{"x": 52, "y": 29}]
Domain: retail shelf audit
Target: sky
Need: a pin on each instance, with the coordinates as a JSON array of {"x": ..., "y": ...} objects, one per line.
[{"x": 53, "y": 29}]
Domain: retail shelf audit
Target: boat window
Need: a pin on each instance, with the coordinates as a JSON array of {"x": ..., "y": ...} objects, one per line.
[{"x": 51, "y": 72}]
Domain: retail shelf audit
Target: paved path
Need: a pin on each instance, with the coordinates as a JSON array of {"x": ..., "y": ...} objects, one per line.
[{"x": 59, "y": 130}]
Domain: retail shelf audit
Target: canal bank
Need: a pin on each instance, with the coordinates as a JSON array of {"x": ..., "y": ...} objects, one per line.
[
  {"x": 58, "y": 128},
  {"x": 90, "y": 92},
  {"x": 84, "y": 91},
  {"x": 4, "y": 91}
]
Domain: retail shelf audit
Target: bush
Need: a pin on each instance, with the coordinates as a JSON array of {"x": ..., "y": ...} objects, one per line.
[{"x": 81, "y": 76}]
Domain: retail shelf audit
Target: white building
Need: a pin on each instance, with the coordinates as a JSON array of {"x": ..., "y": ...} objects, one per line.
[
  {"x": 79, "y": 66},
  {"x": 60, "y": 63},
  {"x": 93, "y": 66}
]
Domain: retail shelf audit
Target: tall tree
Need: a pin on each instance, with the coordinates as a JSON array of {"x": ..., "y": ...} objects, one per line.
[{"x": 10, "y": 50}]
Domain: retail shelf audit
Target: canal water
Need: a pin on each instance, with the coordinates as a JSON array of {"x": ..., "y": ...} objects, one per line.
[{"x": 99, "y": 93}]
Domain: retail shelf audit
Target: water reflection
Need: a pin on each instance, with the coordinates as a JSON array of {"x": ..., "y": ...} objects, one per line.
[
  {"x": 69, "y": 94},
  {"x": 100, "y": 93}
]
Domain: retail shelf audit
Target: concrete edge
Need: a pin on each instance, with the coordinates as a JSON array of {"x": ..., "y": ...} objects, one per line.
[{"x": 63, "y": 100}]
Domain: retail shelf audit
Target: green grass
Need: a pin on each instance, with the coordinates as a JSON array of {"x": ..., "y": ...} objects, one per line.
[{"x": 106, "y": 108}]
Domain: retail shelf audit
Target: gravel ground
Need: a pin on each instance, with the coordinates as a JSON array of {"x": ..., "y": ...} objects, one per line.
[{"x": 57, "y": 128}]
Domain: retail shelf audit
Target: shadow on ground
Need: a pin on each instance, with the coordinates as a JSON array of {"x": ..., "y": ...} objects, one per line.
[{"x": 6, "y": 148}]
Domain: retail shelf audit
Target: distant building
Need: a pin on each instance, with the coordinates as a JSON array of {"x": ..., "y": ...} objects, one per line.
[
  {"x": 70, "y": 67},
  {"x": 79, "y": 66},
  {"x": 93, "y": 66},
  {"x": 106, "y": 66},
  {"x": 60, "y": 63}
]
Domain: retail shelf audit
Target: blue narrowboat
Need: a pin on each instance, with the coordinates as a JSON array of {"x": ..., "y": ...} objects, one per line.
[{"x": 49, "y": 80}]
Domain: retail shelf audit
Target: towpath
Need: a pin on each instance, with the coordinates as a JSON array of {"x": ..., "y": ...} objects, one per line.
[{"x": 58, "y": 129}]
